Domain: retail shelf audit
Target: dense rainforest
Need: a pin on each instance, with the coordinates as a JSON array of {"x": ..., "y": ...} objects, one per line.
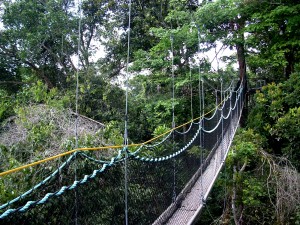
[{"x": 59, "y": 57}]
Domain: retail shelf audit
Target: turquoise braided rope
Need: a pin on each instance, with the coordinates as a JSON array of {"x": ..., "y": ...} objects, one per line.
[
  {"x": 43, "y": 182},
  {"x": 48, "y": 196}
]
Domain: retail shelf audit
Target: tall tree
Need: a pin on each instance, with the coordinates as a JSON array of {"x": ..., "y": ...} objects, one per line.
[
  {"x": 274, "y": 34},
  {"x": 225, "y": 21},
  {"x": 144, "y": 15},
  {"x": 43, "y": 36}
]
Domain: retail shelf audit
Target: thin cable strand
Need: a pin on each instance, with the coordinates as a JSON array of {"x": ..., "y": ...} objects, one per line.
[
  {"x": 126, "y": 119},
  {"x": 76, "y": 110}
]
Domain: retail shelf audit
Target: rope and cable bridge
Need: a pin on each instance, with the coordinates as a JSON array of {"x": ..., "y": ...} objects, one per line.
[{"x": 166, "y": 180}]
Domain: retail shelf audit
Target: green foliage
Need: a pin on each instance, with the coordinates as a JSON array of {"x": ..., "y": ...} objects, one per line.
[
  {"x": 112, "y": 133},
  {"x": 37, "y": 81},
  {"x": 296, "y": 217},
  {"x": 161, "y": 129},
  {"x": 8, "y": 183},
  {"x": 5, "y": 105},
  {"x": 254, "y": 192},
  {"x": 246, "y": 144},
  {"x": 244, "y": 180},
  {"x": 287, "y": 131},
  {"x": 98, "y": 99},
  {"x": 276, "y": 116},
  {"x": 274, "y": 34},
  {"x": 38, "y": 93}
]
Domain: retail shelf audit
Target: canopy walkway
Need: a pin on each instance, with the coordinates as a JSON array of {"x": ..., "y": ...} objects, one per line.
[{"x": 167, "y": 179}]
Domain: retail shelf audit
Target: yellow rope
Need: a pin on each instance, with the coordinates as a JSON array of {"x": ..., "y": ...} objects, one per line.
[{"x": 103, "y": 147}]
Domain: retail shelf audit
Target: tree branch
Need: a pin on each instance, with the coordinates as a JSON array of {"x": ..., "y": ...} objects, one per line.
[{"x": 40, "y": 74}]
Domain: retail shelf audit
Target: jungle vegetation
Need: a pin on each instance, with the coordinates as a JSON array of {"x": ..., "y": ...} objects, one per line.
[{"x": 39, "y": 47}]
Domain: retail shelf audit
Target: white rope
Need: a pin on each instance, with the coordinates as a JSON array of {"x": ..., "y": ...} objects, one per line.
[
  {"x": 222, "y": 116},
  {"x": 158, "y": 143},
  {"x": 173, "y": 82},
  {"x": 213, "y": 129},
  {"x": 185, "y": 132}
]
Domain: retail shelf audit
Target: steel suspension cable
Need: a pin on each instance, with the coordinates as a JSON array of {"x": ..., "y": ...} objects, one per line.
[
  {"x": 200, "y": 114},
  {"x": 222, "y": 120},
  {"x": 76, "y": 104},
  {"x": 173, "y": 116},
  {"x": 191, "y": 86},
  {"x": 77, "y": 75},
  {"x": 126, "y": 118}
]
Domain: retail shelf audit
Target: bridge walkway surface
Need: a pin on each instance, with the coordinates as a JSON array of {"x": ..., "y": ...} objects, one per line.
[{"x": 191, "y": 200}]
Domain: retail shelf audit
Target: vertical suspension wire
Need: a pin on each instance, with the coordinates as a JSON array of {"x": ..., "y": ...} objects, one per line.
[
  {"x": 173, "y": 81},
  {"x": 77, "y": 75},
  {"x": 76, "y": 106},
  {"x": 203, "y": 104},
  {"x": 190, "y": 65},
  {"x": 230, "y": 130},
  {"x": 202, "y": 136},
  {"x": 222, "y": 122},
  {"x": 201, "y": 119},
  {"x": 222, "y": 141},
  {"x": 126, "y": 118},
  {"x": 191, "y": 86},
  {"x": 173, "y": 116}
]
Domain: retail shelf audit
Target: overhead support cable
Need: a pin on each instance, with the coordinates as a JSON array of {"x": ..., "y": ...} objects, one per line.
[{"x": 77, "y": 74}]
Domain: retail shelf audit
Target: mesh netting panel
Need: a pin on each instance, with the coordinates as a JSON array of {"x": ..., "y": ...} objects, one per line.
[
  {"x": 153, "y": 186},
  {"x": 159, "y": 173}
]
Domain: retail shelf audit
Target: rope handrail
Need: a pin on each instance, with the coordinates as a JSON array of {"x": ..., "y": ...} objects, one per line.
[
  {"x": 106, "y": 147},
  {"x": 63, "y": 189},
  {"x": 113, "y": 161}
]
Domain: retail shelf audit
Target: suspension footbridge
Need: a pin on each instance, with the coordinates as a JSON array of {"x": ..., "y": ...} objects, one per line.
[{"x": 165, "y": 180}]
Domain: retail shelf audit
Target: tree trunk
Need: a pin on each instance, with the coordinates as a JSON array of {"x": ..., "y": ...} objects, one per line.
[
  {"x": 240, "y": 48},
  {"x": 40, "y": 74},
  {"x": 241, "y": 59}
]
